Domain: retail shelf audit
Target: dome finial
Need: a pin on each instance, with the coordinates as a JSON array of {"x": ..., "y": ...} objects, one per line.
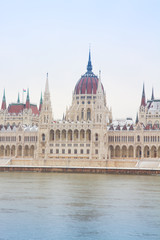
[
  {"x": 18, "y": 100},
  {"x": 47, "y": 86},
  {"x": 89, "y": 66},
  {"x": 99, "y": 75},
  {"x": 152, "y": 97}
]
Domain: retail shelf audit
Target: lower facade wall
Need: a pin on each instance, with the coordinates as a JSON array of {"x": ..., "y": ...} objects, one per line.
[{"x": 75, "y": 163}]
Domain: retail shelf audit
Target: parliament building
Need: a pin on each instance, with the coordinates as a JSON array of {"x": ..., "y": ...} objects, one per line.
[{"x": 87, "y": 130}]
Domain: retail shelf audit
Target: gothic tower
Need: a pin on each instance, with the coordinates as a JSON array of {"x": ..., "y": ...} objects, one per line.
[
  {"x": 142, "y": 108},
  {"x": 46, "y": 108},
  {"x": 44, "y": 124}
]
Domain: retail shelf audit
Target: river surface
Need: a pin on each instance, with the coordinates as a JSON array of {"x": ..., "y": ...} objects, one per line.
[{"x": 79, "y": 206}]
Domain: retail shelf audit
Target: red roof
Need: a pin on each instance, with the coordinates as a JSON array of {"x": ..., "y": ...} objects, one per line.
[
  {"x": 16, "y": 108},
  {"x": 118, "y": 128},
  {"x": 19, "y": 107},
  {"x": 124, "y": 127},
  {"x": 34, "y": 109},
  {"x": 111, "y": 127},
  {"x": 131, "y": 127},
  {"x": 87, "y": 84},
  {"x": 3, "y": 107},
  {"x": 148, "y": 127}
]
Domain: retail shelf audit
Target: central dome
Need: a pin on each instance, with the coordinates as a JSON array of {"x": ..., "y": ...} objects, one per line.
[{"x": 88, "y": 83}]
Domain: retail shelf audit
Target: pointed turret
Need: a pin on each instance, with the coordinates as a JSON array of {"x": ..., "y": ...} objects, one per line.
[
  {"x": 137, "y": 118},
  {"x": 3, "y": 107},
  {"x": 143, "y": 100},
  {"x": 18, "y": 99},
  {"x": 152, "y": 97},
  {"x": 40, "y": 104},
  {"x": 46, "y": 111},
  {"x": 47, "y": 85},
  {"x": 27, "y": 100},
  {"x": 89, "y": 66}
]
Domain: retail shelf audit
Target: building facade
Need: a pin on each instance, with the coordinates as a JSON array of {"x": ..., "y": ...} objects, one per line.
[{"x": 86, "y": 131}]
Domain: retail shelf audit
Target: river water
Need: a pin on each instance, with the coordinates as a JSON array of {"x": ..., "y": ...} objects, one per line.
[{"x": 79, "y": 206}]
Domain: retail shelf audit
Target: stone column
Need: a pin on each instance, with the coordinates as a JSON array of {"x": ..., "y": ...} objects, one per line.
[{"x": 142, "y": 152}]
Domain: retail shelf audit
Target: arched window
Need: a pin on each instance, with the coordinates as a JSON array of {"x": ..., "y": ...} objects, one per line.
[
  {"x": 43, "y": 137},
  {"x": 88, "y": 114},
  {"x": 88, "y": 135},
  {"x": 57, "y": 134},
  {"x": 82, "y": 134},
  {"x": 51, "y": 135},
  {"x": 76, "y": 134},
  {"x": 100, "y": 117},
  {"x": 63, "y": 134},
  {"x": 82, "y": 114},
  {"x": 96, "y": 137},
  {"x": 70, "y": 135}
]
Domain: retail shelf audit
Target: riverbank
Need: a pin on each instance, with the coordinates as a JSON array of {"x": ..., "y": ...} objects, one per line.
[
  {"x": 118, "y": 166},
  {"x": 130, "y": 171}
]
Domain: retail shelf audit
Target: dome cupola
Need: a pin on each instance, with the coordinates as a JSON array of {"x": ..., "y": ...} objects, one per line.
[{"x": 88, "y": 82}]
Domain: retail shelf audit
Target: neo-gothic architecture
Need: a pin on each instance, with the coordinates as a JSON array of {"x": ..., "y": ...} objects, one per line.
[
  {"x": 86, "y": 130},
  {"x": 19, "y": 113}
]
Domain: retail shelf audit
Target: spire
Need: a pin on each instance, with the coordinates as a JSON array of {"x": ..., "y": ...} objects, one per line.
[
  {"x": 40, "y": 104},
  {"x": 47, "y": 86},
  {"x": 152, "y": 97},
  {"x": 137, "y": 119},
  {"x": 4, "y": 97},
  {"x": 143, "y": 100},
  {"x": 18, "y": 100},
  {"x": 27, "y": 100},
  {"x": 3, "y": 107},
  {"x": 41, "y": 100},
  {"x": 89, "y": 66},
  {"x": 46, "y": 110}
]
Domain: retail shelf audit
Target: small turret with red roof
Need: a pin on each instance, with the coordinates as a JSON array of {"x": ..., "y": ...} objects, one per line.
[
  {"x": 152, "y": 97},
  {"x": 40, "y": 104},
  {"x": 27, "y": 100},
  {"x": 3, "y": 106},
  {"x": 18, "y": 99},
  {"x": 143, "y": 100}
]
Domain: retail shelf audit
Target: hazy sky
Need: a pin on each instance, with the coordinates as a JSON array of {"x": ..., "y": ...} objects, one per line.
[{"x": 40, "y": 36}]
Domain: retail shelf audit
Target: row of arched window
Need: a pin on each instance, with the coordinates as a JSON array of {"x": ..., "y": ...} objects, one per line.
[
  {"x": 131, "y": 152},
  {"x": 70, "y": 135},
  {"x": 7, "y": 151},
  {"x": 120, "y": 139}
]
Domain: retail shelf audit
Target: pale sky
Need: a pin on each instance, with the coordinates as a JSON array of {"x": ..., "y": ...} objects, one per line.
[{"x": 40, "y": 36}]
